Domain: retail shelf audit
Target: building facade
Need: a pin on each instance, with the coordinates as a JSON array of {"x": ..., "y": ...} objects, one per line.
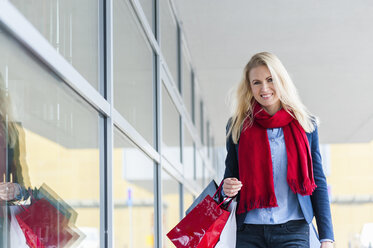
[{"x": 102, "y": 107}]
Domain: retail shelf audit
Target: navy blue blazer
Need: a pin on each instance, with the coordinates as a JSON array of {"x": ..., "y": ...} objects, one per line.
[{"x": 317, "y": 204}]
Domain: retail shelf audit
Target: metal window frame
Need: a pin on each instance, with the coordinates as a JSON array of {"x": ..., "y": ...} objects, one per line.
[
  {"x": 109, "y": 126},
  {"x": 105, "y": 63},
  {"x": 158, "y": 130},
  {"x": 101, "y": 100},
  {"x": 172, "y": 87},
  {"x": 32, "y": 40}
]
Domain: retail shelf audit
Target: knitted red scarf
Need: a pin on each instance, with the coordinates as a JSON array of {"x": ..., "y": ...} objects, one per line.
[{"x": 255, "y": 163}]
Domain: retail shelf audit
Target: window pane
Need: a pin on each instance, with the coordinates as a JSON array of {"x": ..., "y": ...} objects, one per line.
[
  {"x": 187, "y": 85},
  {"x": 147, "y": 7},
  {"x": 197, "y": 122},
  {"x": 133, "y": 71},
  {"x": 188, "y": 155},
  {"x": 133, "y": 195},
  {"x": 169, "y": 38},
  {"x": 207, "y": 138},
  {"x": 170, "y": 128},
  {"x": 50, "y": 141},
  {"x": 188, "y": 199},
  {"x": 71, "y": 27},
  {"x": 170, "y": 205},
  {"x": 207, "y": 175},
  {"x": 199, "y": 169}
]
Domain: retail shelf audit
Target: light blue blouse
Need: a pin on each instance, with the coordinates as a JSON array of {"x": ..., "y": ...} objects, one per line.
[{"x": 288, "y": 204}]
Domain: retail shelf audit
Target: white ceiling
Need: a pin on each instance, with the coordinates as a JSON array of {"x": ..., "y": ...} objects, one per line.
[{"x": 327, "y": 47}]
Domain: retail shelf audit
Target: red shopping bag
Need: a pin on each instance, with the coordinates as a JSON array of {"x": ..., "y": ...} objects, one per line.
[
  {"x": 44, "y": 225},
  {"x": 201, "y": 228},
  {"x": 48, "y": 222}
]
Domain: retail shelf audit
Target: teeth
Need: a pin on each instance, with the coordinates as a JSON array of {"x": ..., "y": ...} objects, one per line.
[{"x": 266, "y": 96}]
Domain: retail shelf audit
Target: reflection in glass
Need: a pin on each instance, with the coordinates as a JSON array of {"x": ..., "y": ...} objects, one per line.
[
  {"x": 169, "y": 39},
  {"x": 188, "y": 199},
  {"x": 187, "y": 85},
  {"x": 133, "y": 71},
  {"x": 133, "y": 195},
  {"x": 202, "y": 124},
  {"x": 188, "y": 155},
  {"x": 71, "y": 27},
  {"x": 207, "y": 138},
  {"x": 58, "y": 146},
  {"x": 147, "y": 7},
  {"x": 197, "y": 122},
  {"x": 170, "y": 128},
  {"x": 170, "y": 205},
  {"x": 199, "y": 169},
  {"x": 207, "y": 176}
]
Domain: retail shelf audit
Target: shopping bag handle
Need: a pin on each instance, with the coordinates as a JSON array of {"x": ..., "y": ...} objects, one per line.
[
  {"x": 225, "y": 200},
  {"x": 218, "y": 191},
  {"x": 29, "y": 191}
]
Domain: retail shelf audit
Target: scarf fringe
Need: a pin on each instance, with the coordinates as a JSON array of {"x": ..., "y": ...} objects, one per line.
[
  {"x": 303, "y": 189},
  {"x": 260, "y": 202}
]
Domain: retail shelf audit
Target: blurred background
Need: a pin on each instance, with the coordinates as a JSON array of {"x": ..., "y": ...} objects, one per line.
[{"x": 121, "y": 105}]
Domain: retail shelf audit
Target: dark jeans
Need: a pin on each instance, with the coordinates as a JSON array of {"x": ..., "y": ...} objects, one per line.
[{"x": 294, "y": 233}]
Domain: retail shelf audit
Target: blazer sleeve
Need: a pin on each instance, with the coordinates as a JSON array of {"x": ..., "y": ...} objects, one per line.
[
  {"x": 231, "y": 163},
  {"x": 319, "y": 198}
]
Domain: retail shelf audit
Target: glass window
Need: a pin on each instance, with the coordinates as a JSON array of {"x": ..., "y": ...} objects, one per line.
[
  {"x": 207, "y": 143},
  {"x": 49, "y": 142},
  {"x": 170, "y": 128},
  {"x": 202, "y": 123},
  {"x": 199, "y": 169},
  {"x": 170, "y": 205},
  {"x": 219, "y": 158},
  {"x": 188, "y": 155},
  {"x": 133, "y": 71},
  {"x": 71, "y": 27},
  {"x": 208, "y": 176},
  {"x": 193, "y": 103},
  {"x": 147, "y": 7},
  {"x": 187, "y": 85},
  {"x": 197, "y": 122},
  {"x": 169, "y": 38},
  {"x": 188, "y": 199},
  {"x": 211, "y": 150},
  {"x": 133, "y": 195}
]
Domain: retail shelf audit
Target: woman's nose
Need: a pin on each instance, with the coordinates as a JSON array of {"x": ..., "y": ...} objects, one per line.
[{"x": 264, "y": 86}]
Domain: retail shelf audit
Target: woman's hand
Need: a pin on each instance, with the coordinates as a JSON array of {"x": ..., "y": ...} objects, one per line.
[
  {"x": 231, "y": 186},
  {"x": 326, "y": 244},
  {"x": 8, "y": 191}
]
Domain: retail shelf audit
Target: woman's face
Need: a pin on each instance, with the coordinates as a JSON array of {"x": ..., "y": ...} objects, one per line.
[{"x": 263, "y": 89}]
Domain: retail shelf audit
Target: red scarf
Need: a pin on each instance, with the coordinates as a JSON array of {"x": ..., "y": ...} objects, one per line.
[{"x": 255, "y": 163}]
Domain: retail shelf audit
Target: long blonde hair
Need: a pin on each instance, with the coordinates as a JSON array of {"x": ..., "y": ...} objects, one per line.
[{"x": 242, "y": 106}]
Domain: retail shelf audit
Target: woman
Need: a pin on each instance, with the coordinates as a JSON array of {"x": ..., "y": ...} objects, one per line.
[
  {"x": 13, "y": 173},
  {"x": 11, "y": 177},
  {"x": 273, "y": 162}
]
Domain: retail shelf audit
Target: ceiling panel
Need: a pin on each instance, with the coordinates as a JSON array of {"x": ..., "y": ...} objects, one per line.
[{"x": 325, "y": 45}]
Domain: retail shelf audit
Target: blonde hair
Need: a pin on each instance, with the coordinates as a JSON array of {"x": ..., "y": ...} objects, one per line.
[
  {"x": 7, "y": 124},
  {"x": 242, "y": 106}
]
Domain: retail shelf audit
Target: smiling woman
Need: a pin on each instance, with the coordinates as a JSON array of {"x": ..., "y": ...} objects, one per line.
[
  {"x": 273, "y": 162},
  {"x": 264, "y": 90}
]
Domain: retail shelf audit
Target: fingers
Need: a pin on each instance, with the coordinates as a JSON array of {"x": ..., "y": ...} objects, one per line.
[{"x": 231, "y": 186}]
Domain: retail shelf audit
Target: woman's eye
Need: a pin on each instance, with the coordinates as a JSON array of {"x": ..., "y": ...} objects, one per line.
[
  {"x": 256, "y": 82},
  {"x": 269, "y": 80}
]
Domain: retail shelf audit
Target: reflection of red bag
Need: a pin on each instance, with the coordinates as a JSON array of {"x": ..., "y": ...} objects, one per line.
[
  {"x": 201, "y": 228},
  {"x": 44, "y": 225}
]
